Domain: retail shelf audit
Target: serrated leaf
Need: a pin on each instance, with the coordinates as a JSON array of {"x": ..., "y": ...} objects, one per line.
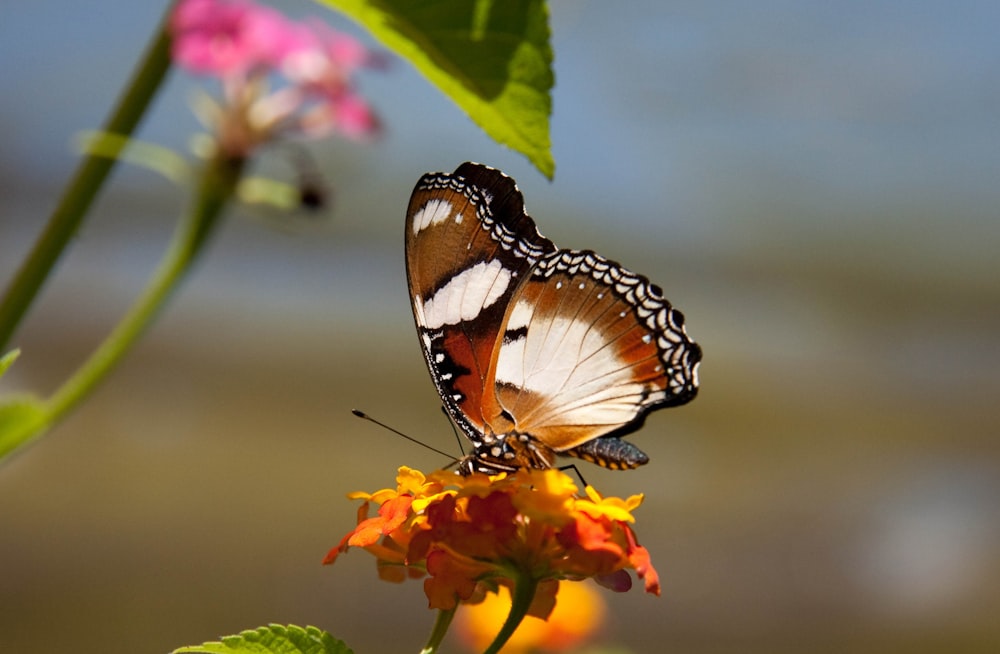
[
  {"x": 7, "y": 360},
  {"x": 491, "y": 57},
  {"x": 21, "y": 417},
  {"x": 273, "y": 639}
]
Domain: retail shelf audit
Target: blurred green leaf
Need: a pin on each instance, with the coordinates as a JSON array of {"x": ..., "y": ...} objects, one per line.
[
  {"x": 491, "y": 57},
  {"x": 270, "y": 193},
  {"x": 7, "y": 360},
  {"x": 143, "y": 154},
  {"x": 21, "y": 417},
  {"x": 273, "y": 639}
]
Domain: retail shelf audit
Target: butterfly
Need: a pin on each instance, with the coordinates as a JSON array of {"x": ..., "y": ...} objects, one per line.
[{"x": 535, "y": 351}]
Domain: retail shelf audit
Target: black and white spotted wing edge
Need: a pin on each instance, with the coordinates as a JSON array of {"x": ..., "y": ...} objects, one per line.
[{"x": 680, "y": 355}]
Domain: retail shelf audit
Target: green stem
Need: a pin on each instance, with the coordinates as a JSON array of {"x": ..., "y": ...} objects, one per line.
[
  {"x": 217, "y": 185},
  {"x": 440, "y": 629},
  {"x": 521, "y": 597},
  {"x": 83, "y": 188}
]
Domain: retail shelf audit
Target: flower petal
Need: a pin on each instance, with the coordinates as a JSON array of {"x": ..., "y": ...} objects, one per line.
[
  {"x": 451, "y": 580},
  {"x": 639, "y": 557},
  {"x": 619, "y": 581}
]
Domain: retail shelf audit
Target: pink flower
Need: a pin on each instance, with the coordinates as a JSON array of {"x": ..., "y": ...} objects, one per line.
[
  {"x": 320, "y": 61},
  {"x": 242, "y": 43},
  {"x": 347, "y": 113},
  {"x": 226, "y": 38}
]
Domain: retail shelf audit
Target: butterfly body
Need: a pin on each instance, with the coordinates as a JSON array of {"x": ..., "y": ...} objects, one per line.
[{"x": 535, "y": 351}]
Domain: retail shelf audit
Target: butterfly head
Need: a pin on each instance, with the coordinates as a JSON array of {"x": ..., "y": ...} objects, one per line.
[{"x": 496, "y": 453}]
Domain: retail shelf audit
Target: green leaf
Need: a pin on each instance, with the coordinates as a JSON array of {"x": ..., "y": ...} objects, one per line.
[
  {"x": 147, "y": 155},
  {"x": 7, "y": 360},
  {"x": 491, "y": 57},
  {"x": 21, "y": 417},
  {"x": 273, "y": 639}
]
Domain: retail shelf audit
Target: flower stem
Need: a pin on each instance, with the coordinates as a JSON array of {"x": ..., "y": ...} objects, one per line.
[
  {"x": 440, "y": 629},
  {"x": 522, "y": 595},
  {"x": 84, "y": 186},
  {"x": 218, "y": 184}
]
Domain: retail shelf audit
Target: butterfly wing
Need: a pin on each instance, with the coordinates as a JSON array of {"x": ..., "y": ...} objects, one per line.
[
  {"x": 587, "y": 349},
  {"x": 469, "y": 242}
]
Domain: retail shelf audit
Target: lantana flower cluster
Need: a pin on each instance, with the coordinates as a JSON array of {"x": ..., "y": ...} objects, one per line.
[
  {"x": 244, "y": 45},
  {"x": 468, "y": 535}
]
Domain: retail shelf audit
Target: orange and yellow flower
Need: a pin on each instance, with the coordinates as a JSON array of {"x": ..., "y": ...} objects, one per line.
[{"x": 468, "y": 535}]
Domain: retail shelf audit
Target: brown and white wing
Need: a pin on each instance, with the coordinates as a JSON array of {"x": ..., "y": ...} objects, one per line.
[
  {"x": 586, "y": 351},
  {"x": 469, "y": 242}
]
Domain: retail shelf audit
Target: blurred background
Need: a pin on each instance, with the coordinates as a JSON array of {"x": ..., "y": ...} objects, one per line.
[{"x": 814, "y": 184}]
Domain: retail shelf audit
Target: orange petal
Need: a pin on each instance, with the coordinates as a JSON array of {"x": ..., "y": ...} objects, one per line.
[
  {"x": 638, "y": 556},
  {"x": 451, "y": 580}
]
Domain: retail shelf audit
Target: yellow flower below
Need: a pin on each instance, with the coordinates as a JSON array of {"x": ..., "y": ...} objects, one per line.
[{"x": 578, "y": 616}]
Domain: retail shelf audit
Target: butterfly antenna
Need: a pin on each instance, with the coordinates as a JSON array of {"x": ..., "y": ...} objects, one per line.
[
  {"x": 365, "y": 416},
  {"x": 453, "y": 430}
]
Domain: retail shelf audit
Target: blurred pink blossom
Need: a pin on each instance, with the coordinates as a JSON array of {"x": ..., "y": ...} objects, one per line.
[
  {"x": 244, "y": 44},
  {"x": 227, "y": 38}
]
